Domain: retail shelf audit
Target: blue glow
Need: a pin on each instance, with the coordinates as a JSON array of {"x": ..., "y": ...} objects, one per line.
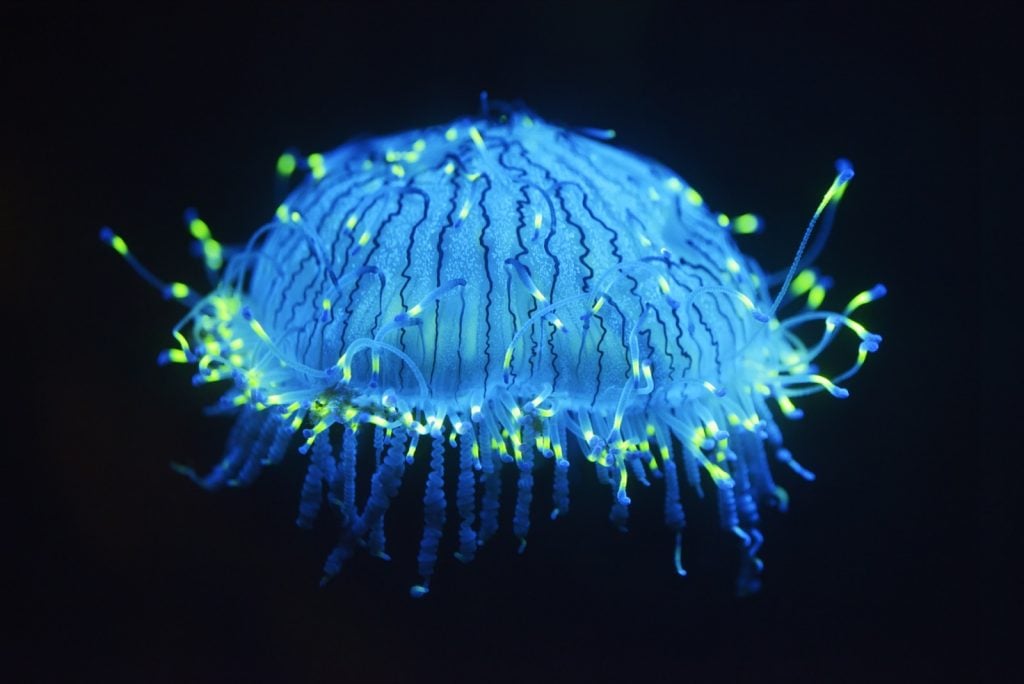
[{"x": 516, "y": 290}]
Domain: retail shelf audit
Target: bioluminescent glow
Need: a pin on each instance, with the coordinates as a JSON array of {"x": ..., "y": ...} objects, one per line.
[{"x": 520, "y": 296}]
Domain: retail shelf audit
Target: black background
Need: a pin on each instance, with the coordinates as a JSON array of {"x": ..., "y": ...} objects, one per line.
[{"x": 123, "y": 570}]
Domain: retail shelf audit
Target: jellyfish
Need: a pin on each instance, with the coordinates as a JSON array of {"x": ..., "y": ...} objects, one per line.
[{"x": 500, "y": 292}]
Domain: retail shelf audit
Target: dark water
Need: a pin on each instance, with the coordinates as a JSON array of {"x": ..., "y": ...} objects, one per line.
[{"x": 125, "y": 571}]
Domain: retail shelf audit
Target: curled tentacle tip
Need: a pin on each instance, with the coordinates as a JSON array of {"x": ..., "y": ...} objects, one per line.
[
  {"x": 623, "y": 499},
  {"x": 841, "y": 393},
  {"x": 879, "y": 291},
  {"x": 845, "y": 169},
  {"x": 760, "y": 317},
  {"x": 106, "y": 234},
  {"x": 246, "y": 313}
]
